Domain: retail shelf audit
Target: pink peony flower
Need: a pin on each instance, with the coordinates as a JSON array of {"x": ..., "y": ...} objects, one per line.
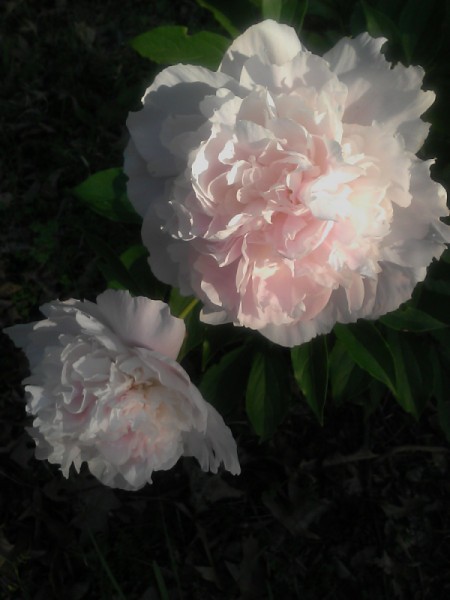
[
  {"x": 105, "y": 389},
  {"x": 283, "y": 190}
]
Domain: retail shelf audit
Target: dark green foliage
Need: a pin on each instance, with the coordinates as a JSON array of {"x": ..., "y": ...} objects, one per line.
[
  {"x": 268, "y": 393},
  {"x": 171, "y": 45},
  {"x": 105, "y": 193},
  {"x": 224, "y": 383},
  {"x": 369, "y": 350},
  {"x": 310, "y": 366}
]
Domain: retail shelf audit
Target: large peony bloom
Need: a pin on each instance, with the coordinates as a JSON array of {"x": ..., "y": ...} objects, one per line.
[
  {"x": 283, "y": 190},
  {"x": 105, "y": 389}
]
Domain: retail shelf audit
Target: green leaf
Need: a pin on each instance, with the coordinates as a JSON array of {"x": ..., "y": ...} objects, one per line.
[
  {"x": 410, "y": 387},
  {"x": 319, "y": 43},
  {"x": 442, "y": 337},
  {"x": 179, "y": 303},
  {"x": 348, "y": 381},
  {"x": 378, "y": 23},
  {"x": 440, "y": 286},
  {"x": 434, "y": 303},
  {"x": 114, "y": 271},
  {"x": 195, "y": 331},
  {"x": 258, "y": 403},
  {"x": 271, "y": 9},
  {"x": 135, "y": 260},
  {"x": 369, "y": 350},
  {"x": 372, "y": 401},
  {"x": 220, "y": 337},
  {"x": 188, "y": 309},
  {"x": 220, "y": 17},
  {"x": 324, "y": 10},
  {"x": 171, "y": 45},
  {"x": 293, "y": 12},
  {"x": 241, "y": 13},
  {"x": 391, "y": 8},
  {"x": 267, "y": 396},
  {"x": 105, "y": 193},
  {"x": 411, "y": 319},
  {"x": 445, "y": 256},
  {"x": 310, "y": 365},
  {"x": 341, "y": 366},
  {"x": 224, "y": 383},
  {"x": 413, "y": 21},
  {"x": 129, "y": 271},
  {"x": 132, "y": 254}
]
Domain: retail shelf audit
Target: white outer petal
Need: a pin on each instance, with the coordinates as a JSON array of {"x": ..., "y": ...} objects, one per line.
[
  {"x": 189, "y": 74},
  {"x": 271, "y": 42},
  {"x": 214, "y": 446},
  {"x": 142, "y": 322},
  {"x": 171, "y": 266},
  {"x": 140, "y": 182},
  {"x": 171, "y": 110},
  {"x": 377, "y": 92}
]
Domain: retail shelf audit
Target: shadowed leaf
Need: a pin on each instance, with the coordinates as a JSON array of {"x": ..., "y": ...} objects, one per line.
[
  {"x": 310, "y": 364},
  {"x": 105, "y": 193},
  {"x": 171, "y": 44}
]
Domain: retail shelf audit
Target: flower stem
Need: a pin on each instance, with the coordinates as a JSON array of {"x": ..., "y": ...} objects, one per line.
[{"x": 184, "y": 313}]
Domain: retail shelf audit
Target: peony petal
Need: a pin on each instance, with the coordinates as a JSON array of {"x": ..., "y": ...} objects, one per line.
[
  {"x": 271, "y": 42},
  {"x": 142, "y": 322},
  {"x": 414, "y": 134},
  {"x": 19, "y": 334},
  {"x": 198, "y": 76},
  {"x": 168, "y": 268},
  {"x": 377, "y": 92},
  {"x": 304, "y": 70},
  {"x": 214, "y": 446},
  {"x": 139, "y": 181},
  {"x": 147, "y": 126},
  {"x": 293, "y": 335}
]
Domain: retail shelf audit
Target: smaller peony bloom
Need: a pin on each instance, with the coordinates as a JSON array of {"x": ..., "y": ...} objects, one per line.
[
  {"x": 105, "y": 389},
  {"x": 283, "y": 189}
]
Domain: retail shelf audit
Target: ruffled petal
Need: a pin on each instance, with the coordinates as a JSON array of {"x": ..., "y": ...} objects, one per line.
[
  {"x": 142, "y": 322},
  {"x": 178, "y": 74},
  {"x": 139, "y": 181},
  {"x": 391, "y": 96},
  {"x": 271, "y": 42},
  {"x": 214, "y": 446}
]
